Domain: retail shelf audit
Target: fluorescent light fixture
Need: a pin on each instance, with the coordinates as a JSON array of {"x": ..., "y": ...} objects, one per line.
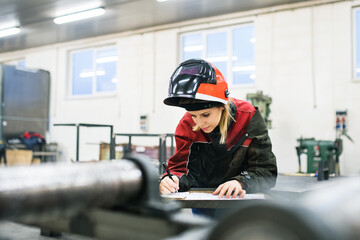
[
  {"x": 9, "y": 24},
  {"x": 9, "y": 31},
  {"x": 77, "y": 6},
  {"x": 79, "y": 15}
]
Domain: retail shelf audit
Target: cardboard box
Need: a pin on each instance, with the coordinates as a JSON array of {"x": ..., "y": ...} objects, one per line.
[
  {"x": 105, "y": 151},
  {"x": 36, "y": 161},
  {"x": 18, "y": 157}
]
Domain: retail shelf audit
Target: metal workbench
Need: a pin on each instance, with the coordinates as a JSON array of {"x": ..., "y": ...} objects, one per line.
[{"x": 287, "y": 188}]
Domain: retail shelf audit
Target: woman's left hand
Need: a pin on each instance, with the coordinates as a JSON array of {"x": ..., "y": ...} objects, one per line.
[{"x": 230, "y": 188}]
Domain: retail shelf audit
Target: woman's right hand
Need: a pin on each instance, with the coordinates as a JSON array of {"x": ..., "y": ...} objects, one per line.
[{"x": 169, "y": 186}]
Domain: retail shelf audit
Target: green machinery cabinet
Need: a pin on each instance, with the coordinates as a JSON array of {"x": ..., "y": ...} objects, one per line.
[
  {"x": 263, "y": 102},
  {"x": 317, "y": 151}
]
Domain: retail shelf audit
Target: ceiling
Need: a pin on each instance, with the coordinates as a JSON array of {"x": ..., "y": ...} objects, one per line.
[{"x": 35, "y": 17}]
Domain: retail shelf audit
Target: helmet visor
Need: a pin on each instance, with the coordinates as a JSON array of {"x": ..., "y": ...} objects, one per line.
[{"x": 187, "y": 78}]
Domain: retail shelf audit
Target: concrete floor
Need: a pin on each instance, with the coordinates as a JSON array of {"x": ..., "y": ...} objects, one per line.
[{"x": 15, "y": 231}]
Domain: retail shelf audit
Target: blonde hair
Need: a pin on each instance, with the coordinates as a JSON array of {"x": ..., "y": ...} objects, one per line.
[{"x": 223, "y": 123}]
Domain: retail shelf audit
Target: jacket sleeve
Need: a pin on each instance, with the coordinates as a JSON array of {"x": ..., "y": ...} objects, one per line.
[
  {"x": 178, "y": 163},
  {"x": 260, "y": 168}
]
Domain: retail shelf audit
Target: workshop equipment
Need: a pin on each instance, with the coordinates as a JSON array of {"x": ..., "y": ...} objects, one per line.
[
  {"x": 263, "y": 102},
  {"x": 60, "y": 188},
  {"x": 116, "y": 199},
  {"x": 323, "y": 156},
  {"x": 330, "y": 213},
  {"x": 325, "y": 153},
  {"x": 25, "y": 100},
  {"x": 341, "y": 124},
  {"x": 24, "y": 106},
  {"x": 120, "y": 200}
]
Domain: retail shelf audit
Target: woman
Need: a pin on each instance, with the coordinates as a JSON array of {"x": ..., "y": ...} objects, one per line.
[{"x": 221, "y": 142}]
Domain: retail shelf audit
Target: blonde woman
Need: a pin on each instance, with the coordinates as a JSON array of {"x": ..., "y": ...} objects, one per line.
[{"x": 221, "y": 142}]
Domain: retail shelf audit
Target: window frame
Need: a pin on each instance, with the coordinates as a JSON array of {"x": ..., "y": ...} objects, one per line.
[
  {"x": 354, "y": 49},
  {"x": 94, "y": 94},
  {"x": 16, "y": 62},
  {"x": 217, "y": 29}
]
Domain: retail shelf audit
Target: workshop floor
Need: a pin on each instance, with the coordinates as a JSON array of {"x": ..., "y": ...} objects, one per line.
[{"x": 15, "y": 231}]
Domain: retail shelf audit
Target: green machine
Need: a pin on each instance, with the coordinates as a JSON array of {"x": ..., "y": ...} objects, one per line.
[
  {"x": 324, "y": 155},
  {"x": 320, "y": 154},
  {"x": 263, "y": 102}
]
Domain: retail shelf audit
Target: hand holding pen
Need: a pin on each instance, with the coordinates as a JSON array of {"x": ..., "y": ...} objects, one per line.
[{"x": 169, "y": 184}]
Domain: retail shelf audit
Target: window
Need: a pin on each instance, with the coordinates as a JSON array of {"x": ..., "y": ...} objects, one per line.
[
  {"x": 356, "y": 44},
  {"x": 229, "y": 49},
  {"x": 94, "y": 71}
]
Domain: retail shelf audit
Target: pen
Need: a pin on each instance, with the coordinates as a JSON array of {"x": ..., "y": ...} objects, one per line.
[{"x": 168, "y": 172}]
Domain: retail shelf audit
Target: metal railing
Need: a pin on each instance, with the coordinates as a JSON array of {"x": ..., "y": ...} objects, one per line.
[
  {"x": 162, "y": 145},
  {"x": 162, "y": 141},
  {"x": 78, "y": 125}
]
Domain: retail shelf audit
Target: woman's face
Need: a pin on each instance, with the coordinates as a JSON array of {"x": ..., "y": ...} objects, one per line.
[{"x": 207, "y": 119}]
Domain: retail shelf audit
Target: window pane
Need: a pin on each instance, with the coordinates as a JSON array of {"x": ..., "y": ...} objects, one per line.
[
  {"x": 106, "y": 60},
  {"x": 243, "y": 77},
  {"x": 243, "y": 55},
  {"x": 216, "y": 51},
  {"x": 192, "y": 46},
  {"x": 231, "y": 50},
  {"x": 357, "y": 24},
  {"x": 82, "y": 72}
]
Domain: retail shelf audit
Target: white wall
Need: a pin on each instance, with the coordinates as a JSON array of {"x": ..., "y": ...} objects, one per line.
[{"x": 303, "y": 61}]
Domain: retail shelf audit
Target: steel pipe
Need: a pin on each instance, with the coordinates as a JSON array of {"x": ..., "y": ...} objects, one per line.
[
  {"x": 56, "y": 189},
  {"x": 329, "y": 213}
]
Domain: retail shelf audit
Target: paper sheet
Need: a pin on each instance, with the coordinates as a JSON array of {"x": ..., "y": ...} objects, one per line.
[
  {"x": 209, "y": 196},
  {"x": 176, "y": 195}
]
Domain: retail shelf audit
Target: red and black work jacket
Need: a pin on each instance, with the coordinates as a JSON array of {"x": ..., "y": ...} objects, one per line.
[{"x": 201, "y": 161}]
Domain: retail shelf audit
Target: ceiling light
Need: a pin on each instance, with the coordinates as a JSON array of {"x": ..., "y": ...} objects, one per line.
[
  {"x": 9, "y": 31},
  {"x": 79, "y": 15}
]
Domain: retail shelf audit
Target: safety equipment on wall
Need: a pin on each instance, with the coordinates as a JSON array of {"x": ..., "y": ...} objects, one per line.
[{"x": 197, "y": 79}]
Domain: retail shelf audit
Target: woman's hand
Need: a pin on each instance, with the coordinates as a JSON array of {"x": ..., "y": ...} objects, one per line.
[
  {"x": 169, "y": 186},
  {"x": 230, "y": 188}
]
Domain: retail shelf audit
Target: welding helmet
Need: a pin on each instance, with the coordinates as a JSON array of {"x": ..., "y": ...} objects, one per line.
[{"x": 197, "y": 79}]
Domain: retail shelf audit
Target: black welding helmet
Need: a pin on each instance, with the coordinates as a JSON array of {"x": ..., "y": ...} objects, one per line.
[{"x": 197, "y": 79}]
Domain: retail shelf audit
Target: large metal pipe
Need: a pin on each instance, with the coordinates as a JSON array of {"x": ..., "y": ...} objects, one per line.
[
  {"x": 329, "y": 213},
  {"x": 338, "y": 206},
  {"x": 61, "y": 189}
]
